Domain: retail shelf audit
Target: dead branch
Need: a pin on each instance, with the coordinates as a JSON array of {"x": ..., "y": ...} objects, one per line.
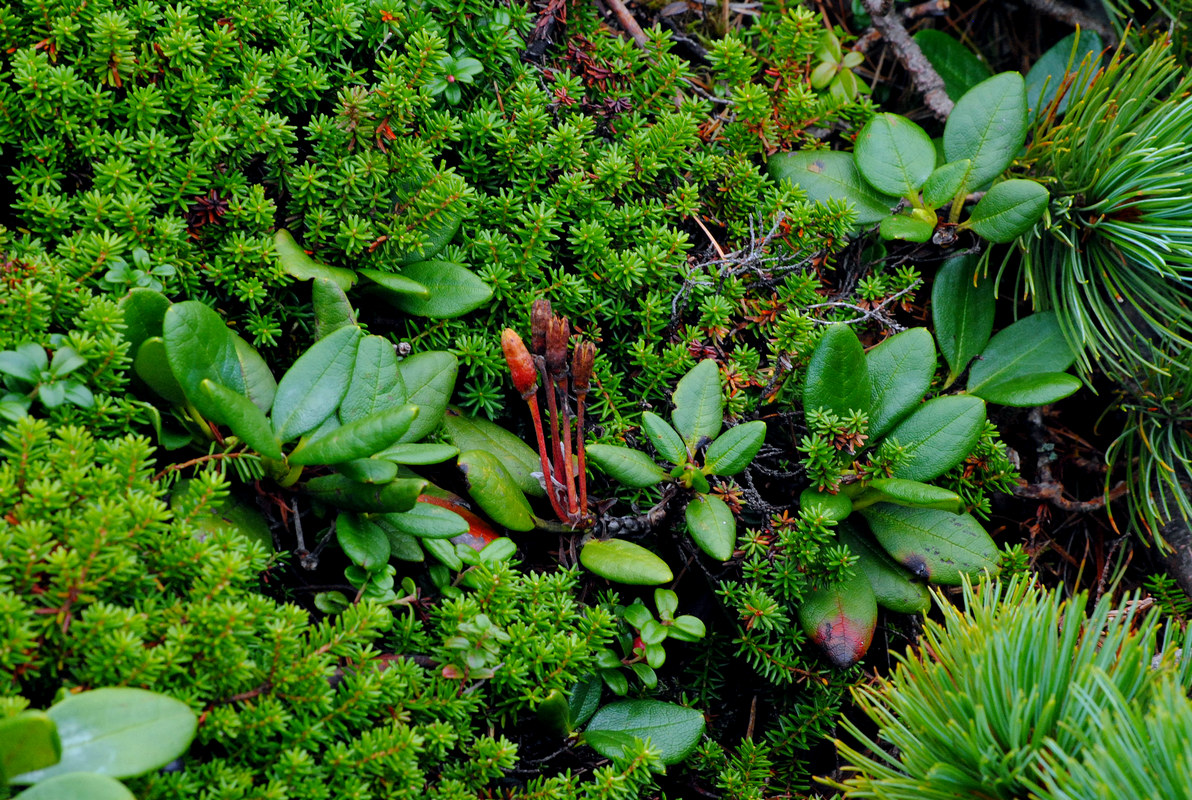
[{"x": 923, "y": 75}]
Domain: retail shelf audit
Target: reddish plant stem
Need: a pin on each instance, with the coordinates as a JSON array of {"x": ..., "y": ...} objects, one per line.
[
  {"x": 568, "y": 469},
  {"x": 556, "y": 445},
  {"x": 579, "y": 446},
  {"x": 547, "y": 476}
]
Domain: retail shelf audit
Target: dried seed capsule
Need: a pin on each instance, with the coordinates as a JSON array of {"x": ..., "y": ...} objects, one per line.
[
  {"x": 540, "y": 317},
  {"x": 557, "y": 335},
  {"x": 581, "y": 366},
  {"x": 521, "y": 366}
]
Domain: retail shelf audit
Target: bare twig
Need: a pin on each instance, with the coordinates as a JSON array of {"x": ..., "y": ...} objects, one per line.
[
  {"x": 924, "y": 76},
  {"x": 627, "y": 22},
  {"x": 1074, "y": 17}
]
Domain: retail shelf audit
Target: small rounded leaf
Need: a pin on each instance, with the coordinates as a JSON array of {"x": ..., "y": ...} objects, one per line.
[
  {"x": 665, "y": 439},
  {"x": 837, "y": 376},
  {"x": 495, "y": 491},
  {"x": 945, "y": 182},
  {"x": 1009, "y": 210},
  {"x": 894, "y": 154},
  {"x": 835, "y": 507},
  {"x": 830, "y": 175},
  {"x": 363, "y": 541},
  {"x": 624, "y": 562},
  {"x": 938, "y": 436},
  {"x": 672, "y": 730},
  {"x": 630, "y": 467},
  {"x": 699, "y": 405},
  {"x": 712, "y": 525},
  {"x": 732, "y": 450}
]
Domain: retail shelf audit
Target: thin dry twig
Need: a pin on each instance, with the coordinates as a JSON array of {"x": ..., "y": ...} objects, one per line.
[
  {"x": 1074, "y": 17},
  {"x": 889, "y": 23},
  {"x": 627, "y": 22}
]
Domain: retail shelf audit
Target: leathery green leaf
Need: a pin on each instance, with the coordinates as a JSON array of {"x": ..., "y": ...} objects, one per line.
[
  {"x": 368, "y": 470},
  {"x": 495, "y": 491},
  {"x": 312, "y": 389},
  {"x": 666, "y": 440},
  {"x": 295, "y": 262},
  {"x": 1025, "y": 391},
  {"x": 956, "y": 64},
  {"x": 118, "y": 732},
  {"x": 153, "y": 367},
  {"x": 900, "y": 371},
  {"x": 630, "y": 467},
  {"x": 835, "y": 507},
  {"x": 894, "y": 154},
  {"x": 988, "y": 126},
  {"x": 962, "y": 307},
  {"x": 474, "y": 433},
  {"x": 144, "y": 310},
  {"x": 429, "y": 378},
  {"x": 712, "y": 525},
  {"x": 375, "y": 383},
  {"x": 837, "y": 376},
  {"x": 938, "y": 436},
  {"x": 78, "y": 786},
  {"x": 893, "y": 586},
  {"x": 732, "y": 450},
  {"x": 699, "y": 407},
  {"x": 419, "y": 453},
  {"x": 841, "y": 619},
  {"x": 363, "y": 542},
  {"x": 829, "y": 175},
  {"x": 1032, "y": 345},
  {"x": 945, "y": 182},
  {"x": 28, "y": 741},
  {"x": 359, "y": 439},
  {"x": 428, "y": 521},
  {"x": 198, "y": 347},
  {"x": 331, "y": 306},
  {"x": 672, "y": 730},
  {"x": 908, "y": 493},
  {"x": 909, "y": 227},
  {"x": 934, "y": 545},
  {"x": 1009, "y": 210},
  {"x": 624, "y": 562},
  {"x": 348, "y": 495},
  {"x": 396, "y": 283},
  {"x": 452, "y": 290},
  {"x": 245, "y": 419}
]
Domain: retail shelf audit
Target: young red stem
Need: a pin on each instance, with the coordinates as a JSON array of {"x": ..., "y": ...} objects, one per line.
[
  {"x": 568, "y": 469},
  {"x": 547, "y": 477},
  {"x": 579, "y": 446}
]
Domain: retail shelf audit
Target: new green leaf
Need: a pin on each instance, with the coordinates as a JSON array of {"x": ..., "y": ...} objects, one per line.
[
  {"x": 313, "y": 387},
  {"x": 837, "y": 376},
  {"x": 699, "y": 406},
  {"x": 732, "y": 450},
  {"x": 894, "y": 154},
  {"x": 630, "y": 467},
  {"x": 1008, "y": 210},
  {"x": 988, "y": 126},
  {"x": 712, "y": 525},
  {"x": 624, "y": 562},
  {"x": 938, "y": 436}
]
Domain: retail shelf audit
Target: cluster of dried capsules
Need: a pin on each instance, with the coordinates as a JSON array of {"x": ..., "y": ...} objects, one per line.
[{"x": 567, "y": 374}]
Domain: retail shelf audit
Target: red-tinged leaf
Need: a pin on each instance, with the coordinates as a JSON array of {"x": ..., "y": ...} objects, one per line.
[
  {"x": 841, "y": 619},
  {"x": 479, "y": 534}
]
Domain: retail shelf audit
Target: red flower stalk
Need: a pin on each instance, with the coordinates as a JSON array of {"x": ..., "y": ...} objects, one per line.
[{"x": 581, "y": 373}]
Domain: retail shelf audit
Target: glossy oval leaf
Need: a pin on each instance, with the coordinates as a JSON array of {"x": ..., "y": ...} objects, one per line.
[
  {"x": 945, "y": 182},
  {"x": 672, "y": 730},
  {"x": 313, "y": 387},
  {"x": 624, "y": 562},
  {"x": 153, "y": 367},
  {"x": 666, "y": 440},
  {"x": 348, "y": 495},
  {"x": 475, "y": 433},
  {"x": 198, "y": 347},
  {"x": 956, "y": 64},
  {"x": 584, "y": 699},
  {"x": 495, "y": 491},
  {"x": 28, "y": 741},
  {"x": 427, "y": 521},
  {"x": 934, "y": 545},
  {"x": 1026, "y": 391},
  {"x": 900, "y": 372},
  {"x": 829, "y": 175},
  {"x": 398, "y": 284},
  {"x": 837, "y": 377},
  {"x": 331, "y": 307},
  {"x": 988, "y": 126},
  {"x": 118, "y": 732},
  {"x": 909, "y": 493},
  {"x": 78, "y": 786},
  {"x": 938, "y": 435},
  {"x": 893, "y": 586},
  {"x": 732, "y": 450},
  {"x": 246, "y": 420},
  {"x": 375, "y": 384},
  {"x": 368, "y": 470},
  {"x": 1032, "y": 345},
  {"x": 363, "y": 542},
  {"x": 630, "y": 467},
  {"x": 712, "y": 525},
  {"x": 359, "y": 439},
  {"x": 907, "y": 228},
  {"x": 1008, "y": 210},
  {"x": 894, "y": 155},
  {"x": 259, "y": 384},
  {"x": 841, "y": 619},
  {"x": 699, "y": 406},
  {"x": 144, "y": 310},
  {"x": 419, "y": 453},
  {"x": 452, "y": 290},
  {"x": 429, "y": 378},
  {"x": 962, "y": 308},
  {"x": 825, "y": 505},
  {"x": 296, "y": 263}
]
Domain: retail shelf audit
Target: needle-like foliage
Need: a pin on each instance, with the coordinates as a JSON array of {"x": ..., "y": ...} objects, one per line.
[
  {"x": 1114, "y": 255},
  {"x": 1008, "y": 691}
]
